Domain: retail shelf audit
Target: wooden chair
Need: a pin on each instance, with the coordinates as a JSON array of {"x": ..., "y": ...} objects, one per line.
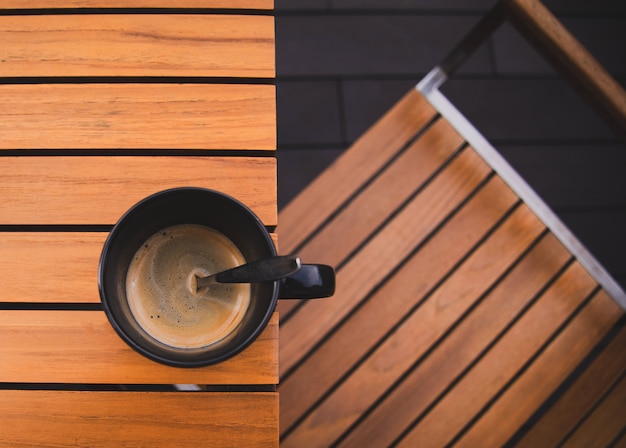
[
  {"x": 465, "y": 313},
  {"x": 103, "y": 104}
]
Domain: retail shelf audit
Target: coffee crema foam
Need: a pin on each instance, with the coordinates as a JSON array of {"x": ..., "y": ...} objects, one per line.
[{"x": 161, "y": 287}]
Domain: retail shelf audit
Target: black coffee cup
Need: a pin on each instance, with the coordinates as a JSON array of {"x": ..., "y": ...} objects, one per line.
[{"x": 217, "y": 211}]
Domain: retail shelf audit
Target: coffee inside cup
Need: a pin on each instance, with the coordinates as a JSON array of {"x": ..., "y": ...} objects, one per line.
[{"x": 161, "y": 290}]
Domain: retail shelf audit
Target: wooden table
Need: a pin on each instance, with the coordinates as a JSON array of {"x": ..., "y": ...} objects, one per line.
[{"x": 103, "y": 104}]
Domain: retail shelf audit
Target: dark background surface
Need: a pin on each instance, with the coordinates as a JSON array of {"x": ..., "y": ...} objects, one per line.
[{"x": 342, "y": 63}]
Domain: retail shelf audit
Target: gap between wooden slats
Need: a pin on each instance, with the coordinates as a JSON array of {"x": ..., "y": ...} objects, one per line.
[
  {"x": 606, "y": 424},
  {"x": 579, "y": 400},
  {"x": 98, "y": 190},
  {"x": 366, "y": 327},
  {"x": 342, "y": 179},
  {"x": 411, "y": 169},
  {"x": 137, "y": 45},
  {"x": 46, "y": 4},
  {"x": 499, "y": 366},
  {"x": 381, "y": 254},
  {"x": 421, "y": 330},
  {"x": 138, "y": 116},
  {"x": 551, "y": 366},
  {"x": 81, "y": 347},
  {"x": 458, "y": 350},
  {"x": 104, "y": 419},
  {"x": 66, "y": 258}
]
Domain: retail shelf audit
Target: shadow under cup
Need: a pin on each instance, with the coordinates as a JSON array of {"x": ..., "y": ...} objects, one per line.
[{"x": 174, "y": 207}]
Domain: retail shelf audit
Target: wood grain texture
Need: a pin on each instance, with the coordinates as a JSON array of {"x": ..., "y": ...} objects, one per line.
[
  {"x": 104, "y": 419},
  {"x": 68, "y": 259},
  {"x": 381, "y": 254},
  {"x": 546, "y": 373},
  {"x": 464, "y": 345},
  {"x": 394, "y": 356},
  {"x": 390, "y": 304},
  {"x": 355, "y": 167},
  {"x": 379, "y": 200},
  {"x": 45, "y": 4},
  {"x": 99, "y": 189},
  {"x": 82, "y": 347},
  {"x": 137, "y": 116},
  {"x": 575, "y": 404},
  {"x": 137, "y": 45},
  {"x": 502, "y": 362},
  {"x": 606, "y": 422}
]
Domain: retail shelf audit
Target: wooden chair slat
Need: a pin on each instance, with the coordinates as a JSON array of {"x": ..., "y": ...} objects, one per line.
[
  {"x": 574, "y": 405},
  {"x": 200, "y": 45},
  {"x": 389, "y": 305},
  {"x": 605, "y": 424},
  {"x": 546, "y": 373},
  {"x": 137, "y": 116},
  {"x": 82, "y": 347},
  {"x": 388, "y": 248},
  {"x": 98, "y": 190},
  {"x": 419, "y": 331},
  {"x": 354, "y": 168},
  {"x": 104, "y": 419},
  {"x": 503, "y": 361},
  {"x": 407, "y": 174},
  {"x": 362, "y": 216},
  {"x": 66, "y": 258},
  {"x": 465, "y": 344}
]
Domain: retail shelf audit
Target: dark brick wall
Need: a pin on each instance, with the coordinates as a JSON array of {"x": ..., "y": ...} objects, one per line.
[{"x": 342, "y": 63}]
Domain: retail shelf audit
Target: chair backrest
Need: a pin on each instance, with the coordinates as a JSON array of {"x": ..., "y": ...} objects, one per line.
[{"x": 465, "y": 313}]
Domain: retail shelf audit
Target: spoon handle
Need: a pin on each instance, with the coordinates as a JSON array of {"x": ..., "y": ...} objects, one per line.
[{"x": 269, "y": 269}]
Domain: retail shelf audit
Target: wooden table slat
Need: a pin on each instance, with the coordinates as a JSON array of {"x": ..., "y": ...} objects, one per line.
[
  {"x": 138, "y": 116},
  {"x": 99, "y": 189},
  {"x": 82, "y": 347},
  {"x": 105, "y": 419},
  {"x": 137, "y": 45},
  {"x": 49, "y": 4},
  {"x": 66, "y": 258}
]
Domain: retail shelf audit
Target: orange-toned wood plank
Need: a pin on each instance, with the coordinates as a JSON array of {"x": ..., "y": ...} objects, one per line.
[
  {"x": 355, "y": 167},
  {"x": 379, "y": 200},
  {"x": 98, "y": 190},
  {"x": 465, "y": 344},
  {"x": 502, "y": 362},
  {"x": 605, "y": 423},
  {"x": 104, "y": 419},
  {"x": 137, "y": 45},
  {"x": 553, "y": 366},
  {"x": 45, "y": 4},
  {"x": 374, "y": 261},
  {"x": 137, "y": 116},
  {"x": 408, "y": 342},
  {"x": 391, "y": 303},
  {"x": 53, "y": 346},
  {"x": 64, "y": 263},
  {"x": 578, "y": 400},
  {"x": 68, "y": 259}
]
